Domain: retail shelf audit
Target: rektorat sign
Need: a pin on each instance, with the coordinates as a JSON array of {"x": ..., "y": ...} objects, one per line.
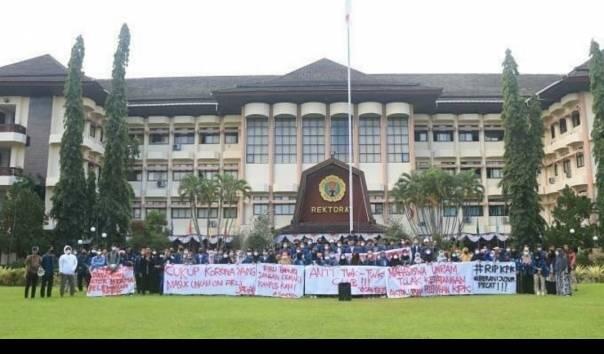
[{"x": 328, "y": 209}]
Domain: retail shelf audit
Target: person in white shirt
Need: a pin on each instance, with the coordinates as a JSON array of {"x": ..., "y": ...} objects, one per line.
[{"x": 67, "y": 268}]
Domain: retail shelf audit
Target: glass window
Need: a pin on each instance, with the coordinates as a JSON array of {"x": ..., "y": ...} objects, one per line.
[
  {"x": 468, "y": 135},
  {"x": 135, "y": 175},
  {"x": 313, "y": 139},
  {"x": 285, "y": 140},
  {"x": 421, "y": 135},
  {"x": 477, "y": 171},
  {"x": 552, "y": 130},
  {"x": 231, "y": 137},
  {"x": 230, "y": 213},
  {"x": 184, "y": 137},
  {"x": 158, "y": 138},
  {"x": 377, "y": 208},
  {"x": 260, "y": 209},
  {"x": 233, "y": 173},
  {"x": 580, "y": 160},
  {"x": 576, "y": 118},
  {"x": 179, "y": 175},
  {"x": 257, "y": 140},
  {"x": 562, "y": 125},
  {"x": 398, "y": 140},
  {"x": 136, "y": 213},
  {"x": 443, "y": 136},
  {"x": 209, "y": 136},
  {"x": 498, "y": 210},
  {"x": 369, "y": 139},
  {"x": 284, "y": 209},
  {"x": 208, "y": 174},
  {"x": 181, "y": 213},
  {"x": 161, "y": 211},
  {"x": 92, "y": 130},
  {"x": 339, "y": 138},
  {"x": 450, "y": 211},
  {"x": 157, "y": 175},
  {"x": 494, "y": 172},
  {"x": 555, "y": 169},
  {"x": 566, "y": 168},
  {"x": 395, "y": 208},
  {"x": 202, "y": 213},
  {"x": 493, "y": 135},
  {"x": 472, "y": 210}
]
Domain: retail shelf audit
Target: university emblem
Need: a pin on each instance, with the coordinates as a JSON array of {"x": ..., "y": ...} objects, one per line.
[{"x": 332, "y": 188}]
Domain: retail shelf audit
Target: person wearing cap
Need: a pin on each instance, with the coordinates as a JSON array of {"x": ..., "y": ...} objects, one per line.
[
  {"x": 32, "y": 266},
  {"x": 68, "y": 264},
  {"x": 48, "y": 264}
]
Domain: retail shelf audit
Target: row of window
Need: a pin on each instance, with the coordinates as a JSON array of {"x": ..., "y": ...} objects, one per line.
[
  {"x": 185, "y": 213},
  {"x": 575, "y": 119},
  {"x": 137, "y": 175},
  {"x": 441, "y": 136},
  {"x": 467, "y": 211},
  {"x": 278, "y": 209},
  {"x": 566, "y": 167},
  {"x": 188, "y": 138},
  {"x": 313, "y": 140}
]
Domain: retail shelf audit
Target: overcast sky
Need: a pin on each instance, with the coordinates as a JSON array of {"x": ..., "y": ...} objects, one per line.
[{"x": 233, "y": 37}]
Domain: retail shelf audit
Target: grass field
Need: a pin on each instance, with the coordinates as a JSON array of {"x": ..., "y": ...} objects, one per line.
[{"x": 513, "y": 316}]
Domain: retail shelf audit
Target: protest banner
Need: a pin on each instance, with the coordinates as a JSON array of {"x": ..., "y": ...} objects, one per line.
[
  {"x": 210, "y": 279},
  {"x": 429, "y": 280},
  {"x": 364, "y": 280},
  {"x": 107, "y": 282},
  {"x": 493, "y": 278},
  {"x": 279, "y": 280}
]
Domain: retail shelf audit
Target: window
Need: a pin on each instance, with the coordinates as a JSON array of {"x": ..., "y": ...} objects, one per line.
[
  {"x": 369, "y": 139},
  {"x": 157, "y": 175},
  {"x": 285, "y": 140},
  {"x": 284, "y": 209},
  {"x": 208, "y": 174},
  {"x": 494, "y": 172},
  {"x": 233, "y": 173},
  {"x": 137, "y": 136},
  {"x": 179, "y": 175},
  {"x": 395, "y": 208},
  {"x": 493, "y": 135},
  {"x": 161, "y": 211},
  {"x": 209, "y": 136},
  {"x": 136, "y": 213},
  {"x": 562, "y": 125},
  {"x": 184, "y": 137},
  {"x": 398, "y": 140},
  {"x": 498, "y": 210},
  {"x": 313, "y": 140},
  {"x": 472, "y": 210},
  {"x": 555, "y": 169},
  {"x": 576, "y": 118},
  {"x": 202, "y": 213},
  {"x": 158, "y": 137},
  {"x": 477, "y": 171},
  {"x": 552, "y": 130},
  {"x": 468, "y": 135},
  {"x": 566, "y": 168},
  {"x": 377, "y": 208},
  {"x": 135, "y": 175},
  {"x": 421, "y": 135},
  {"x": 580, "y": 160},
  {"x": 181, "y": 213},
  {"x": 339, "y": 138},
  {"x": 443, "y": 136},
  {"x": 260, "y": 209},
  {"x": 92, "y": 131},
  {"x": 231, "y": 136},
  {"x": 257, "y": 140},
  {"x": 230, "y": 213},
  {"x": 450, "y": 212}
]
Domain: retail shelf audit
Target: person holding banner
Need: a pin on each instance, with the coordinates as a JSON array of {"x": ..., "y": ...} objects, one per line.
[
  {"x": 382, "y": 261},
  {"x": 97, "y": 261},
  {"x": 285, "y": 259},
  {"x": 68, "y": 264}
]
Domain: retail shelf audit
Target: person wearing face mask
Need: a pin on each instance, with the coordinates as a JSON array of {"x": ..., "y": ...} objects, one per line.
[
  {"x": 355, "y": 260},
  {"x": 455, "y": 256},
  {"x": 157, "y": 276},
  {"x": 563, "y": 286},
  {"x": 97, "y": 261},
  {"x": 466, "y": 256},
  {"x": 550, "y": 280},
  {"x": 506, "y": 255},
  {"x": 202, "y": 257},
  {"x": 270, "y": 257},
  {"x": 285, "y": 259},
  {"x": 441, "y": 256},
  {"x": 145, "y": 270},
  {"x": 249, "y": 257},
  {"x": 405, "y": 258},
  {"x": 381, "y": 260},
  {"x": 415, "y": 248},
  {"x": 427, "y": 255},
  {"x": 540, "y": 272},
  {"x": 68, "y": 264},
  {"x": 525, "y": 273},
  {"x": 370, "y": 259},
  {"x": 343, "y": 261},
  {"x": 113, "y": 258},
  {"x": 571, "y": 255},
  {"x": 48, "y": 264},
  {"x": 418, "y": 259},
  {"x": 83, "y": 273}
]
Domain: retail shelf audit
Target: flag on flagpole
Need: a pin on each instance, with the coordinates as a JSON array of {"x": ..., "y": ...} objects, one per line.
[{"x": 348, "y": 11}]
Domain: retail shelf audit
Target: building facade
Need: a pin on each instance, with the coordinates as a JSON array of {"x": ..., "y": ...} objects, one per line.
[{"x": 269, "y": 129}]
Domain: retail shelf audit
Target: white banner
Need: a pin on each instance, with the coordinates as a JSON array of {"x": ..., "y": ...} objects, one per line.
[
  {"x": 107, "y": 282},
  {"x": 493, "y": 277},
  {"x": 210, "y": 279},
  {"x": 279, "y": 280},
  {"x": 364, "y": 280}
]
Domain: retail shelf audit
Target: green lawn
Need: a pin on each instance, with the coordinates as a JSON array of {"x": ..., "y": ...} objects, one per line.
[{"x": 513, "y": 316}]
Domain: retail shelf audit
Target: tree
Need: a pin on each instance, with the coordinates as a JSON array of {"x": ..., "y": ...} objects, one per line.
[
  {"x": 115, "y": 193},
  {"x": 190, "y": 190},
  {"x": 150, "y": 233},
  {"x": 596, "y": 82},
  {"x": 230, "y": 190},
  {"x": 431, "y": 200},
  {"x": 92, "y": 198},
  {"x": 521, "y": 156},
  {"x": 69, "y": 197},
  {"x": 571, "y": 212},
  {"x": 395, "y": 231},
  {"x": 22, "y": 218},
  {"x": 260, "y": 236}
]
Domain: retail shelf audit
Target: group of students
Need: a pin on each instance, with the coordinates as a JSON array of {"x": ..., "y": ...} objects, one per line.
[{"x": 536, "y": 270}]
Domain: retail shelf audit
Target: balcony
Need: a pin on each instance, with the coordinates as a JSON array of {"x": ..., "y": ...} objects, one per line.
[
  {"x": 469, "y": 149},
  {"x": 8, "y": 175},
  {"x": 13, "y": 133}
]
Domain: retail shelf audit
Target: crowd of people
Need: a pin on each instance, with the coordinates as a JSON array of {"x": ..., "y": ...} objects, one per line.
[{"x": 538, "y": 272}]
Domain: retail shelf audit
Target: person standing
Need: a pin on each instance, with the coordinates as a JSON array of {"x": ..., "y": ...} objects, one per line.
[
  {"x": 68, "y": 264},
  {"x": 145, "y": 270},
  {"x": 550, "y": 280},
  {"x": 32, "y": 265},
  {"x": 571, "y": 254},
  {"x": 83, "y": 271},
  {"x": 540, "y": 272},
  {"x": 113, "y": 258},
  {"x": 48, "y": 264},
  {"x": 562, "y": 276}
]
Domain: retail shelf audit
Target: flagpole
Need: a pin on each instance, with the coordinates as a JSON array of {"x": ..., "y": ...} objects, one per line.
[{"x": 350, "y": 157}]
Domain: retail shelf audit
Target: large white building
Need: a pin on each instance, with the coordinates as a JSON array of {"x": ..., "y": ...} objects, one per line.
[{"x": 268, "y": 129}]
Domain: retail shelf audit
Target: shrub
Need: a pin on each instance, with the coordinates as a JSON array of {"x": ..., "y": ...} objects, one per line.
[
  {"x": 590, "y": 274},
  {"x": 12, "y": 276}
]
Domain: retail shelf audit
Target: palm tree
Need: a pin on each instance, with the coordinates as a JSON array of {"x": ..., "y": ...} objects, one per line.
[
  {"x": 208, "y": 189},
  {"x": 190, "y": 190},
  {"x": 230, "y": 190}
]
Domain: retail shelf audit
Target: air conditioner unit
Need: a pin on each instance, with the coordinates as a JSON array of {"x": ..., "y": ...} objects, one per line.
[
  {"x": 506, "y": 220},
  {"x": 161, "y": 184},
  {"x": 467, "y": 219},
  {"x": 552, "y": 180},
  {"x": 176, "y": 147}
]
